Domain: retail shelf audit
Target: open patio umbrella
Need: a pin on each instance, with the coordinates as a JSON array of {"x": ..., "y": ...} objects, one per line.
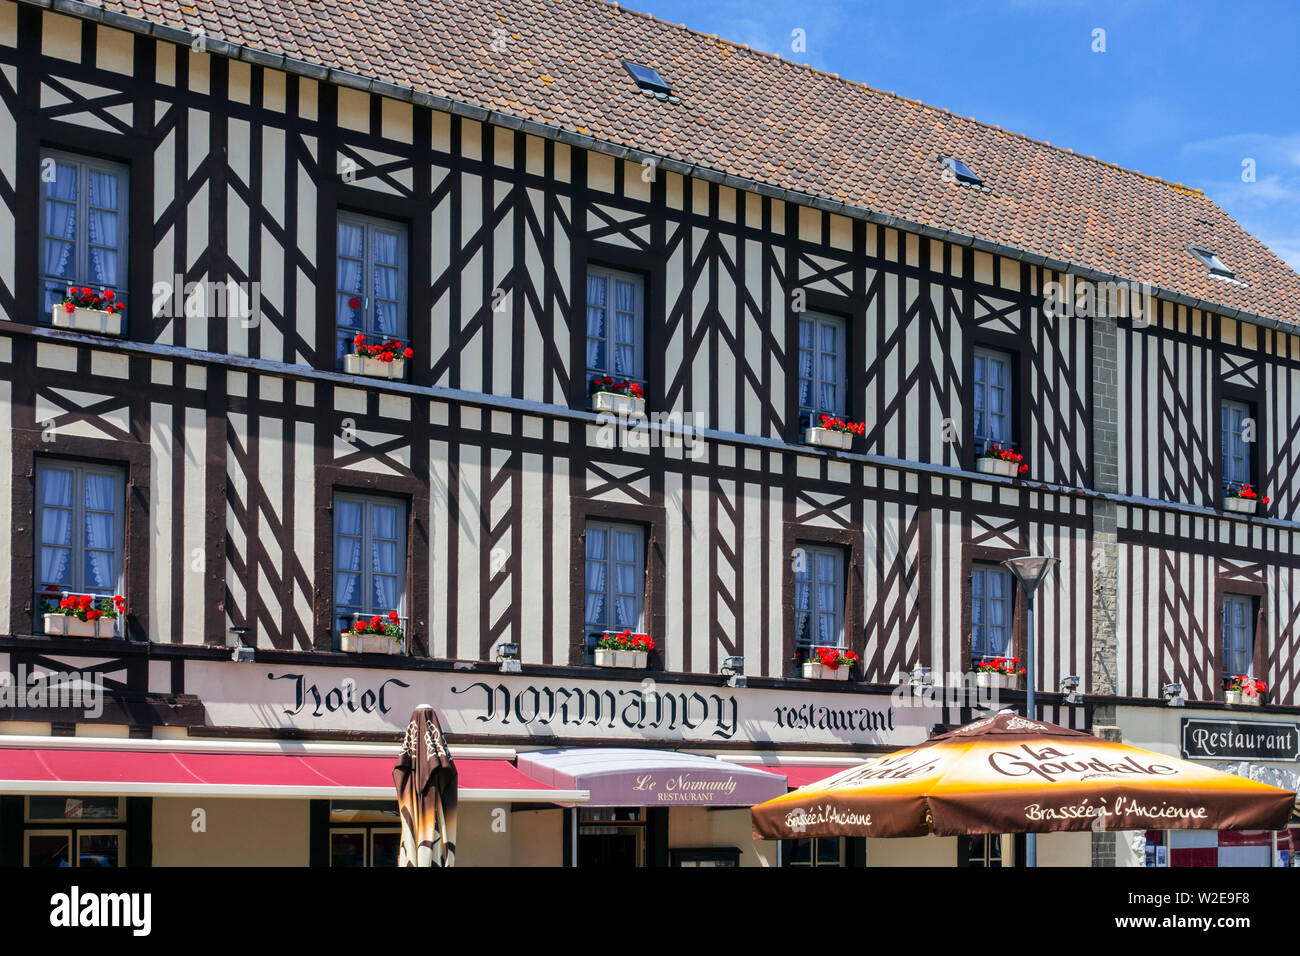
[
  {"x": 1008, "y": 774},
  {"x": 425, "y": 777}
]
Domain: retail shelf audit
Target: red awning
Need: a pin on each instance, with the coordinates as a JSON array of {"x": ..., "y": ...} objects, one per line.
[
  {"x": 162, "y": 773},
  {"x": 800, "y": 776}
]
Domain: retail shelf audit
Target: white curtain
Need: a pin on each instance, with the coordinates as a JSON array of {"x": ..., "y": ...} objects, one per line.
[
  {"x": 388, "y": 321},
  {"x": 101, "y": 532},
  {"x": 596, "y": 333},
  {"x": 625, "y": 562},
  {"x": 596, "y": 568},
  {"x": 625, "y": 329},
  {"x": 60, "y": 264},
  {"x": 102, "y": 222},
  {"x": 383, "y": 556},
  {"x": 805, "y": 363},
  {"x": 347, "y": 554},
  {"x": 351, "y": 267},
  {"x": 56, "y": 527}
]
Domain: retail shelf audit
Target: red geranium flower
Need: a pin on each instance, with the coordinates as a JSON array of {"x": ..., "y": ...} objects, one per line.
[{"x": 354, "y": 303}]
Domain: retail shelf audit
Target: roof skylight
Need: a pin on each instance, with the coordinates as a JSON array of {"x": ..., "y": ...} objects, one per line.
[
  {"x": 1212, "y": 262},
  {"x": 960, "y": 171},
  {"x": 648, "y": 79}
]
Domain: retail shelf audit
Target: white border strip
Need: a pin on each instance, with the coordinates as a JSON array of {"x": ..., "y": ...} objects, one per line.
[
  {"x": 302, "y": 748},
  {"x": 108, "y": 788}
]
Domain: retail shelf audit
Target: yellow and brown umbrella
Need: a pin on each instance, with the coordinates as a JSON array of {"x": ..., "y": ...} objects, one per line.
[
  {"x": 1008, "y": 774},
  {"x": 425, "y": 777}
]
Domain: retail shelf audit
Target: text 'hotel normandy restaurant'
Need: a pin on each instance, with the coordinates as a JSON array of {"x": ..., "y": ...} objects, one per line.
[{"x": 658, "y": 410}]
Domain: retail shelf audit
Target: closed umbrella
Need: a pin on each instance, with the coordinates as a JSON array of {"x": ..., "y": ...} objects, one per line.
[
  {"x": 1009, "y": 774},
  {"x": 425, "y": 777}
]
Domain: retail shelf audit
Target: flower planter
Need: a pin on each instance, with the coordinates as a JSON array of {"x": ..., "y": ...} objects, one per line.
[
  {"x": 1244, "y": 506},
  {"x": 610, "y": 658},
  {"x": 353, "y": 643},
  {"x": 65, "y": 625},
  {"x": 355, "y": 364},
  {"x": 87, "y": 320},
  {"x": 997, "y": 466},
  {"x": 616, "y": 403},
  {"x": 827, "y": 438},
  {"x": 994, "y": 680},
  {"x": 815, "y": 671},
  {"x": 1240, "y": 699}
]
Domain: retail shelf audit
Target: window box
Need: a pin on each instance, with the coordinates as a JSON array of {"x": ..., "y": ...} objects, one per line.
[
  {"x": 813, "y": 670},
  {"x": 997, "y": 681},
  {"x": 65, "y": 625},
  {"x": 617, "y": 404},
  {"x": 1237, "y": 697},
  {"x": 828, "y": 438},
  {"x": 87, "y": 320},
  {"x": 608, "y": 658},
  {"x": 350, "y": 642},
  {"x": 1245, "y": 506},
  {"x": 354, "y": 364},
  {"x": 996, "y": 466}
]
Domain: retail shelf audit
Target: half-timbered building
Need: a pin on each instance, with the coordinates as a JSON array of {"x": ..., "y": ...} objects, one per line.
[{"x": 533, "y": 196}]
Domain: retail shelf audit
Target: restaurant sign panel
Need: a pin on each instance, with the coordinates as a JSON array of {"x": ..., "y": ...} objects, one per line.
[
  {"x": 1240, "y": 740},
  {"x": 487, "y": 703}
]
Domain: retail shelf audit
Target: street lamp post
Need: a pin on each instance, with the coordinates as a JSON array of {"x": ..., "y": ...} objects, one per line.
[{"x": 1030, "y": 572}]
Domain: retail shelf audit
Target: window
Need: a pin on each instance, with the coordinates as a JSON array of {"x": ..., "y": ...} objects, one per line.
[
  {"x": 369, "y": 558},
  {"x": 822, "y": 386},
  {"x": 647, "y": 78},
  {"x": 992, "y": 399},
  {"x": 960, "y": 171},
  {"x": 91, "y": 832},
  {"x": 1212, "y": 262},
  {"x": 990, "y": 612},
  {"x": 1234, "y": 419},
  {"x": 364, "y": 833},
  {"x": 813, "y": 851},
  {"x": 79, "y": 522},
  {"x": 83, "y": 226},
  {"x": 984, "y": 850},
  {"x": 818, "y": 598},
  {"x": 1238, "y": 635},
  {"x": 615, "y": 325},
  {"x": 612, "y": 837},
  {"x": 372, "y": 280},
  {"x": 615, "y": 584}
]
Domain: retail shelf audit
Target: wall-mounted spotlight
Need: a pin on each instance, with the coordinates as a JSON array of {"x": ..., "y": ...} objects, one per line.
[
  {"x": 508, "y": 655},
  {"x": 1070, "y": 688},
  {"x": 242, "y": 653},
  {"x": 733, "y": 669},
  {"x": 1173, "y": 694},
  {"x": 921, "y": 678}
]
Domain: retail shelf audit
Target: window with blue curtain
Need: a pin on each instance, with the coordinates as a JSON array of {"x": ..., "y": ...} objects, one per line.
[
  {"x": 371, "y": 281},
  {"x": 79, "y": 528},
  {"x": 1233, "y": 444},
  {"x": 990, "y": 612},
  {"x": 991, "y": 398},
  {"x": 822, "y": 385},
  {"x": 1238, "y": 636},
  {"x": 83, "y": 226},
  {"x": 615, "y": 578},
  {"x": 818, "y": 598},
  {"x": 369, "y": 558},
  {"x": 615, "y": 325}
]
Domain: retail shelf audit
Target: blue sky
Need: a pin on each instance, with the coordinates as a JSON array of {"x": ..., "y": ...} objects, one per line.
[{"x": 1186, "y": 91}]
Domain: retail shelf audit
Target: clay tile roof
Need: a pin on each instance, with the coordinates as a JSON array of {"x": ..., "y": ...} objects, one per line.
[{"x": 761, "y": 117}]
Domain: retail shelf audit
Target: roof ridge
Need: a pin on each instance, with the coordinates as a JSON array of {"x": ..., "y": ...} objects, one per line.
[{"x": 1180, "y": 187}]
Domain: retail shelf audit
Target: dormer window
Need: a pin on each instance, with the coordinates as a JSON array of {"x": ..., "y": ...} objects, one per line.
[
  {"x": 649, "y": 80},
  {"x": 960, "y": 171},
  {"x": 1212, "y": 262}
]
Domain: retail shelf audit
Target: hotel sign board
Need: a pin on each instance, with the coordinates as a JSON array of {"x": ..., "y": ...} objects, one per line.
[
  {"x": 487, "y": 703},
  {"x": 1241, "y": 740}
]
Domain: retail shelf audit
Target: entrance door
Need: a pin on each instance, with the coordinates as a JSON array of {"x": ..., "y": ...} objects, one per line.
[{"x": 611, "y": 837}]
